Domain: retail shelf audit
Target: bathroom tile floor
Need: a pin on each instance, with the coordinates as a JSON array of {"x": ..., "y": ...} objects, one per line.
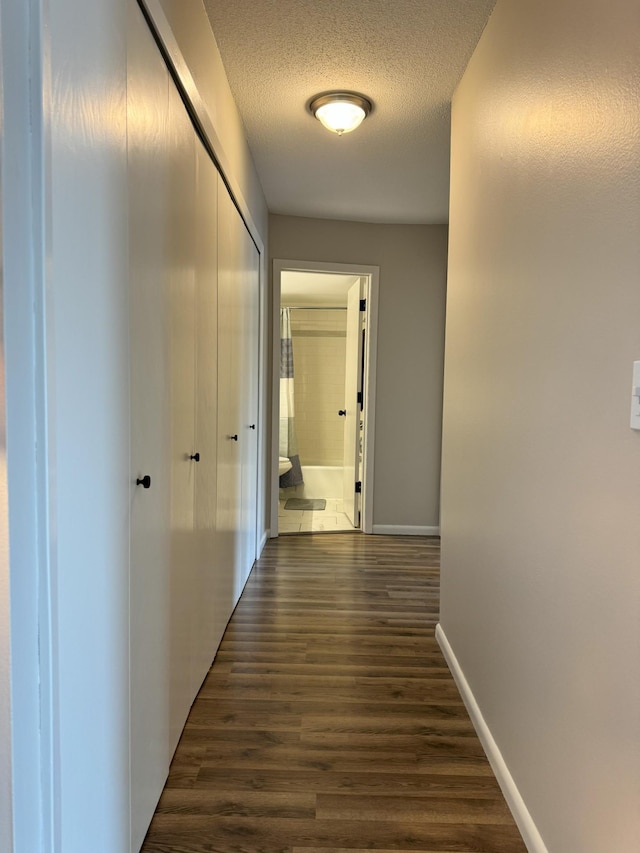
[{"x": 332, "y": 518}]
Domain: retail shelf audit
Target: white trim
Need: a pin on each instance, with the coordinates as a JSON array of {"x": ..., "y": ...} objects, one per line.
[
  {"x": 529, "y": 831},
  {"x": 371, "y": 361},
  {"x": 262, "y": 456},
  {"x": 263, "y": 541},
  {"x": 25, "y": 198},
  {"x": 275, "y": 399},
  {"x": 405, "y": 530},
  {"x": 372, "y": 273}
]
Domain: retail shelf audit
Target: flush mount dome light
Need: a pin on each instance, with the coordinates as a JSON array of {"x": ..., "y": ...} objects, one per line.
[{"x": 340, "y": 112}]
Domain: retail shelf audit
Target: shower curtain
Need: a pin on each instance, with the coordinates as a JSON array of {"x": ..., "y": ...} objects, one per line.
[{"x": 288, "y": 441}]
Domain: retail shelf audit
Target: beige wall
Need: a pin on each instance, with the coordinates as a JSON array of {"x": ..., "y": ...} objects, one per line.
[
  {"x": 541, "y": 473},
  {"x": 319, "y": 355},
  {"x": 412, "y": 261}
]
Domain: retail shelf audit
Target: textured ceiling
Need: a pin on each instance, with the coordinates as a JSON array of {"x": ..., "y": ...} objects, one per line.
[{"x": 407, "y": 56}]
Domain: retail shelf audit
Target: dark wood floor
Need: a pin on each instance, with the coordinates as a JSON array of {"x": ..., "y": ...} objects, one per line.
[{"x": 329, "y": 722}]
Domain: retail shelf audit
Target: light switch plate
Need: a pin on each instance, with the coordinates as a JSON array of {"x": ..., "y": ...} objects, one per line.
[{"x": 635, "y": 396}]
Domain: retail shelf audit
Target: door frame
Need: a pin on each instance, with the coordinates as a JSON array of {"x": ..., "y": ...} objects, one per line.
[{"x": 372, "y": 276}]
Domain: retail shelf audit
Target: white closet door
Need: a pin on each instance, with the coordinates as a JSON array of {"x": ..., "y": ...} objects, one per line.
[
  {"x": 229, "y": 408},
  {"x": 148, "y": 84},
  {"x": 180, "y": 252},
  {"x": 238, "y": 341},
  {"x": 194, "y": 390},
  {"x": 209, "y": 628},
  {"x": 250, "y": 351}
]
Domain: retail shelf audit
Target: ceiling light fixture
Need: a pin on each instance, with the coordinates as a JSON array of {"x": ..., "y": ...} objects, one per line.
[{"x": 340, "y": 112}]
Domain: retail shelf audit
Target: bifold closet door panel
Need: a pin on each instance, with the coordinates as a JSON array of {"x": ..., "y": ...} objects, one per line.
[
  {"x": 149, "y": 226},
  {"x": 209, "y": 628},
  {"x": 229, "y": 407},
  {"x": 250, "y": 339},
  {"x": 180, "y": 248}
]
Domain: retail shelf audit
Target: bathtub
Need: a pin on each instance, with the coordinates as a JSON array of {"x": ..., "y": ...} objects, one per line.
[{"x": 320, "y": 481}]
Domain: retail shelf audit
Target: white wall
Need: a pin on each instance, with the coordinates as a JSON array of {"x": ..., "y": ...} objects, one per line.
[
  {"x": 540, "y": 481},
  {"x": 412, "y": 261}
]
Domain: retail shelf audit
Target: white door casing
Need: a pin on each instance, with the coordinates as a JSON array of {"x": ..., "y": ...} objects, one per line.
[
  {"x": 353, "y": 362},
  {"x": 371, "y": 275}
]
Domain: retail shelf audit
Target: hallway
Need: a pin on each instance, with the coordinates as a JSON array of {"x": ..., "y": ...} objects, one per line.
[{"x": 329, "y": 721}]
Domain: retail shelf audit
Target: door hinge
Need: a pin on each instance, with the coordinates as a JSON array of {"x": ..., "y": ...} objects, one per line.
[
  {"x": 359, "y": 487},
  {"x": 363, "y": 304},
  {"x": 360, "y": 398}
]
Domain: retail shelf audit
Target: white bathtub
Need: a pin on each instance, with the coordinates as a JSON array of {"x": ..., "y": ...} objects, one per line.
[{"x": 320, "y": 481}]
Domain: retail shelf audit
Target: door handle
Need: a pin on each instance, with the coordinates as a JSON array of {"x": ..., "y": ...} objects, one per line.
[
  {"x": 343, "y": 413},
  {"x": 252, "y": 426},
  {"x": 234, "y": 437},
  {"x": 195, "y": 457},
  {"x": 145, "y": 481}
]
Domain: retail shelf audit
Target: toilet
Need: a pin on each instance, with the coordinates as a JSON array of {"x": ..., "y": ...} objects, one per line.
[{"x": 284, "y": 465}]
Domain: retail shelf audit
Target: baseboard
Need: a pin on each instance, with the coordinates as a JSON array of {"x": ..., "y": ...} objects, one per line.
[
  {"x": 263, "y": 541},
  {"x": 405, "y": 530},
  {"x": 528, "y": 830}
]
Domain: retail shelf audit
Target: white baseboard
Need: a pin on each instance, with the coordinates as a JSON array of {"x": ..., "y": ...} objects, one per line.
[
  {"x": 263, "y": 541},
  {"x": 405, "y": 530},
  {"x": 528, "y": 830}
]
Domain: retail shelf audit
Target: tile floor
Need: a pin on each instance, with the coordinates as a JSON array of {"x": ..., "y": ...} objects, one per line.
[{"x": 332, "y": 518}]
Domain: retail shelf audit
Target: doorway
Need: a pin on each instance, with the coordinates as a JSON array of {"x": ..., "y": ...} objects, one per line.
[{"x": 324, "y": 333}]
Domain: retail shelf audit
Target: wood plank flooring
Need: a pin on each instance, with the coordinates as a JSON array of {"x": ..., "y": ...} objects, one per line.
[{"x": 329, "y": 722}]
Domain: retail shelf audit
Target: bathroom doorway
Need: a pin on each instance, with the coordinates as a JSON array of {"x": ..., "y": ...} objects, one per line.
[{"x": 324, "y": 330}]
